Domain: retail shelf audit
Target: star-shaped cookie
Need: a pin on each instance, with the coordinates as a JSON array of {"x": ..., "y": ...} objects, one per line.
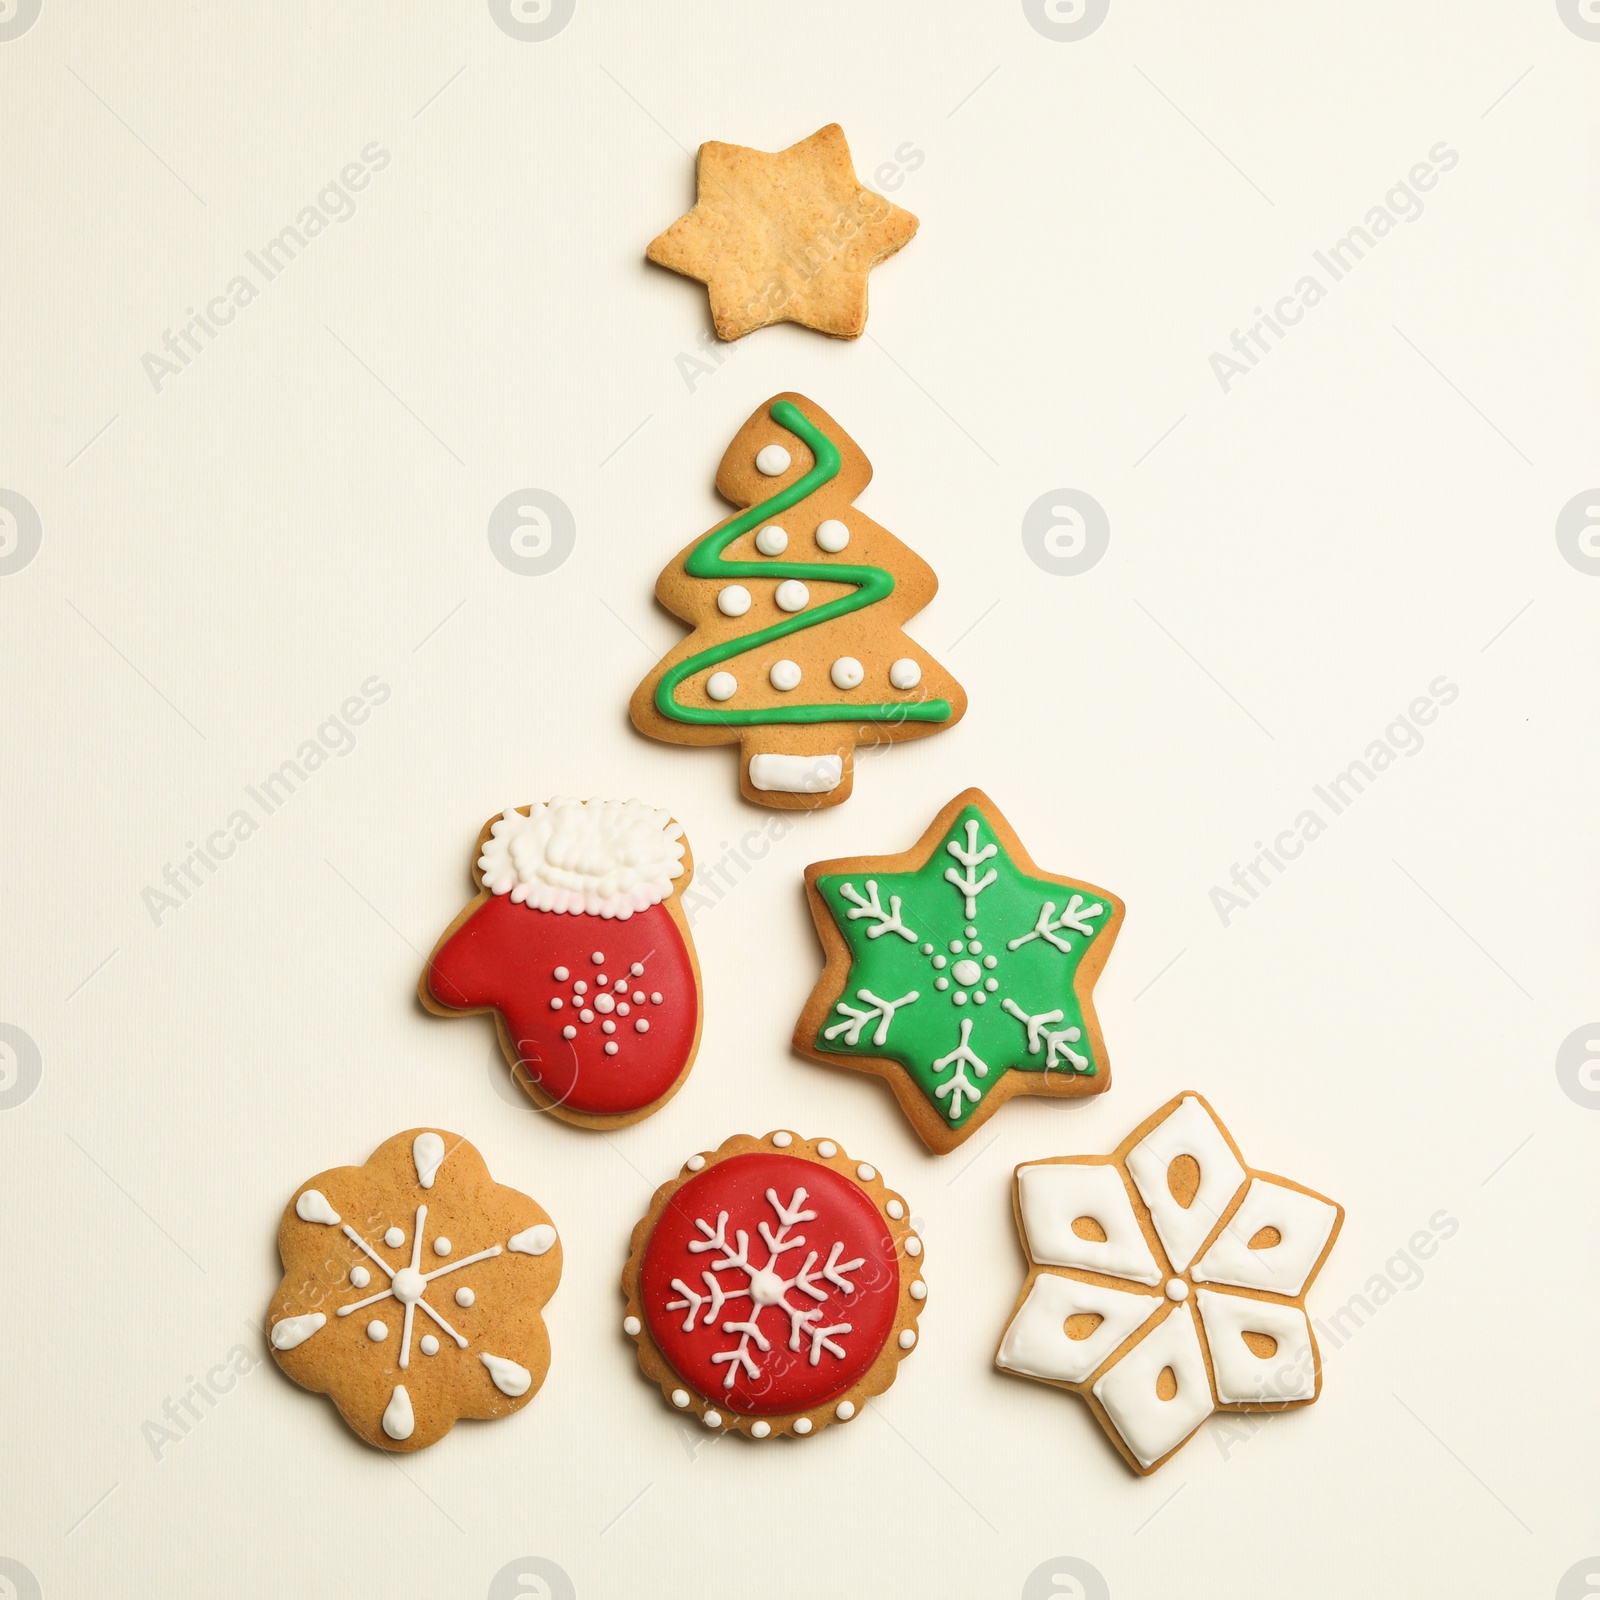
[
  {"x": 960, "y": 973},
  {"x": 784, "y": 237}
]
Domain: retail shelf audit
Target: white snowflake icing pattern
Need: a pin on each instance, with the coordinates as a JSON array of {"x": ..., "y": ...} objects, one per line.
[
  {"x": 611, "y": 1002},
  {"x": 765, "y": 1287}
]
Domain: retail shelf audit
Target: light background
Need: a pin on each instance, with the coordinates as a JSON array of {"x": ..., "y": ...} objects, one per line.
[{"x": 1290, "y": 564}]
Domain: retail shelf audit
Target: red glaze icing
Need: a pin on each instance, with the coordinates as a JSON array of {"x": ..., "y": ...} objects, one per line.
[
  {"x": 786, "y": 1380},
  {"x": 505, "y": 955}
]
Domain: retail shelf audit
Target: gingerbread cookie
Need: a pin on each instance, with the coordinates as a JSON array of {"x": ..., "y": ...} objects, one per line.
[
  {"x": 797, "y": 605},
  {"x": 1167, "y": 1281},
  {"x": 774, "y": 1286},
  {"x": 959, "y": 972},
  {"x": 412, "y": 1290},
  {"x": 578, "y": 945},
  {"x": 785, "y": 237}
]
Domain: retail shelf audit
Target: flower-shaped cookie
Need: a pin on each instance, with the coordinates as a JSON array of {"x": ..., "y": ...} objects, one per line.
[
  {"x": 412, "y": 1290},
  {"x": 1167, "y": 1281}
]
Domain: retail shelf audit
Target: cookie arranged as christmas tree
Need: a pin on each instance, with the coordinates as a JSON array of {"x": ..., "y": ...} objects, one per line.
[
  {"x": 797, "y": 605},
  {"x": 578, "y": 946},
  {"x": 959, "y": 972}
]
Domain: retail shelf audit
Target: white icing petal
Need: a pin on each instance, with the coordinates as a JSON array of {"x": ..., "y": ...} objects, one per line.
[
  {"x": 289, "y": 1332},
  {"x": 1302, "y": 1220},
  {"x": 1189, "y": 1131},
  {"x": 398, "y": 1421},
  {"x": 509, "y": 1378},
  {"x": 427, "y": 1150},
  {"x": 606, "y": 858},
  {"x": 1149, "y": 1425},
  {"x": 313, "y": 1206},
  {"x": 1052, "y": 1195},
  {"x": 1289, "y": 1373},
  {"x": 532, "y": 1241},
  {"x": 1037, "y": 1345}
]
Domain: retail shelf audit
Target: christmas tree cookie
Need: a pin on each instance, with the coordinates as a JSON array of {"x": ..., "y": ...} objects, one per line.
[
  {"x": 797, "y": 605},
  {"x": 578, "y": 946},
  {"x": 412, "y": 1291},
  {"x": 959, "y": 972},
  {"x": 1168, "y": 1281}
]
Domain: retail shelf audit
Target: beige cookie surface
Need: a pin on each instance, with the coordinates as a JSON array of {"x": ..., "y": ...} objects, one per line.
[
  {"x": 797, "y": 606},
  {"x": 785, "y": 236},
  {"x": 412, "y": 1290},
  {"x": 1167, "y": 1281},
  {"x": 960, "y": 973},
  {"x": 773, "y": 1286}
]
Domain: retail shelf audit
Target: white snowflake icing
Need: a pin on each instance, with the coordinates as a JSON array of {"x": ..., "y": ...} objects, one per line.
[
  {"x": 1075, "y": 916},
  {"x": 968, "y": 884},
  {"x": 882, "y": 1010},
  {"x": 886, "y": 921},
  {"x": 765, "y": 1286}
]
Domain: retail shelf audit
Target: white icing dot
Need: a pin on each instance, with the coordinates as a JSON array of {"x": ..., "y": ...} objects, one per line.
[
  {"x": 991, "y": 984},
  {"x": 622, "y": 1008},
  {"x": 990, "y": 962},
  {"x": 827, "y": 1148},
  {"x": 599, "y": 958},
  {"x": 360, "y": 1277},
  {"x": 600, "y": 983},
  {"x": 377, "y": 1331},
  {"x": 656, "y": 998},
  {"x": 905, "y": 674},
  {"x": 785, "y": 675},
  {"x": 772, "y": 540},
  {"x": 394, "y": 1238},
  {"x": 802, "y": 1426},
  {"x": 844, "y": 1410},
  {"x": 772, "y": 459},
  {"x": 694, "y": 1163},
  {"x": 974, "y": 947},
  {"x": 919, "y": 1290},
  {"x": 638, "y": 997},
  {"x": 621, "y": 986},
  {"x": 442, "y": 1246},
  {"x": 557, "y": 1003},
  {"x": 586, "y": 1015},
  {"x": 637, "y": 969},
  {"x": 895, "y": 1210},
  {"x": 561, "y": 974},
  {"x": 940, "y": 962},
  {"x": 967, "y": 972},
  {"x": 908, "y": 1337},
  {"x": 846, "y": 673},
  {"x": 580, "y": 987},
  {"x": 927, "y": 949},
  {"x": 604, "y": 1004},
  {"x": 641, "y": 1026},
  {"x": 969, "y": 931},
  {"x": 722, "y": 686},
  {"x": 630, "y": 1326},
  {"x": 913, "y": 1245},
  {"x": 611, "y": 1047},
  {"x": 832, "y": 536},
  {"x": 792, "y": 595},
  {"x": 956, "y": 947},
  {"x": 680, "y": 1398},
  {"x": 783, "y": 1140},
  {"x": 759, "y": 1430},
  {"x": 733, "y": 601},
  {"x": 979, "y": 998},
  {"x": 941, "y": 983},
  {"x": 465, "y": 1297},
  {"x": 1177, "y": 1289},
  {"x": 865, "y": 1173},
  {"x": 712, "y": 1419},
  {"x": 569, "y": 1032},
  {"x": 959, "y": 997},
  {"x": 608, "y": 1026},
  {"x": 428, "y": 1345}
]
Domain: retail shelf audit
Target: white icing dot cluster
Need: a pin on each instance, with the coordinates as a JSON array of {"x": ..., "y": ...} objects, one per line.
[
  {"x": 606, "y": 858},
  {"x": 604, "y": 999}
]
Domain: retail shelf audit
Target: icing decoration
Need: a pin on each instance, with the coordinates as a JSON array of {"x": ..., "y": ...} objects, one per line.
[
  {"x": 712, "y": 1419},
  {"x": 289, "y": 1332},
  {"x": 694, "y": 1163},
  {"x": 785, "y": 675},
  {"x": 905, "y": 673},
  {"x": 865, "y": 1173},
  {"x": 313, "y": 1206},
  {"x": 734, "y": 601},
  {"x": 427, "y": 1151},
  {"x": 465, "y": 1297},
  {"x": 968, "y": 884},
  {"x": 428, "y": 1345},
  {"x": 509, "y": 1377},
  {"x": 796, "y": 774},
  {"x": 847, "y": 673},
  {"x": 1112, "y": 1303},
  {"x": 870, "y": 585},
  {"x": 919, "y": 1290},
  {"x": 394, "y": 1238},
  {"x": 631, "y": 1326},
  {"x": 832, "y": 536},
  {"x": 360, "y": 1277},
  {"x": 398, "y": 1419},
  {"x": 908, "y": 1337},
  {"x": 772, "y": 459},
  {"x": 441, "y": 1247},
  {"x": 770, "y": 1280},
  {"x": 772, "y": 540},
  {"x": 760, "y": 1430},
  {"x": 680, "y": 1398},
  {"x": 913, "y": 1245},
  {"x": 722, "y": 686},
  {"x": 827, "y": 1149},
  {"x": 802, "y": 1426},
  {"x": 782, "y": 1140},
  {"x": 895, "y": 1210},
  {"x": 844, "y": 1410},
  {"x": 533, "y": 1241},
  {"x": 377, "y": 1331}
]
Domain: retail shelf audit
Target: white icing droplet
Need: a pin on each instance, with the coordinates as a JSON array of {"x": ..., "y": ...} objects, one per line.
[
  {"x": 895, "y": 1210},
  {"x": 919, "y": 1290},
  {"x": 427, "y": 1151},
  {"x": 959, "y": 997},
  {"x": 586, "y": 1015},
  {"x": 832, "y": 536},
  {"x": 772, "y": 540},
  {"x": 398, "y": 1422},
  {"x": 532, "y": 1241},
  {"x": 290, "y": 1332},
  {"x": 580, "y": 987},
  {"x": 656, "y": 998},
  {"x": 359, "y": 1276},
  {"x": 844, "y": 1410},
  {"x": 759, "y": 1430},
  {"x": 941, "y": 962},
  {"x": 313, "y": 1206},
  {"x": 772, "y": 459},
  {"x": 394, "y": 1238},
  {"x": 990, "y": 962},
  {"x": 802, "y": 1426},
  {"x": 599, "y": 958},
  {"x": 441, "y": 1246},
  {"x": 783, "y": 1140},
  {"x": 604, "y": 1004},
  {"x": 509, "y": 1378},
  {"x": 991, "y": 984},
  {"x": 712, "y": 1419},
  {"x": 637, "y": 969},
  {"x": 785, "y": 675},
  {"x": 377, "y": 1331},
  {"x": 1177, "y": 1289},
  {"x": 913, "y": 1245},
  {"x": 641, "y": 1026},
  {"x": 865, "y": 1173},
  {"x": 465, "y": 1296},
  {"x": 967, "y": 972},
  {"x": 622, "y": 1008},
  {"x": 979, "y": 997},
  {"x": 792, "y": 595},
  {"x": 409, "y": 1286},
  {"x": 429, "y": 1345},
  {"x": 905, "y": 673},
  {"x": 611, "y": 1047},
  {"x": 956, "y": 947},
  {"x": 557, "y": 1003},
  {"x": 694, "y": 1163},
  {"x": 680, "y": 1398},
  {"x": 827, "y": 1148},
  {"x": 569, "y": 1032},
  {"x": 631, "y": 1326},
  {"x": 561, "y": 974},
  {"x": 941, "y": 983},
  {"x": 970, "y": 931},
  {"x": 734, "y": 600},
  {"x": 621, "y": 986},
  {"x": 846, "y": 673},
  {"x": 722, "y": 686},
  {"x": 908, "y": 1338},
  {"x": 638, "y": 997}
]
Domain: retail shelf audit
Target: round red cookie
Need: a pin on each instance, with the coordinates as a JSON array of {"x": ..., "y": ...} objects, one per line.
[{"x": 774, "y": 1286}]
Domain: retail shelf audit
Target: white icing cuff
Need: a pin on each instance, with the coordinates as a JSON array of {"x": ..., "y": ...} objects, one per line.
[
  {"x": 605, "y": 858},
  {"x": 796, "y": 774}
]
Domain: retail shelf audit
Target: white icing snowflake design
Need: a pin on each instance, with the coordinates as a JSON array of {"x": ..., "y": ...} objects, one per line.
[
  {"x": 618, "y": 1005},
  {"x": 765, "y": 1287}
]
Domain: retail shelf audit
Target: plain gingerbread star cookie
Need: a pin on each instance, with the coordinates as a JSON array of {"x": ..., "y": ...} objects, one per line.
[{"x": 784, "y": 237}]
